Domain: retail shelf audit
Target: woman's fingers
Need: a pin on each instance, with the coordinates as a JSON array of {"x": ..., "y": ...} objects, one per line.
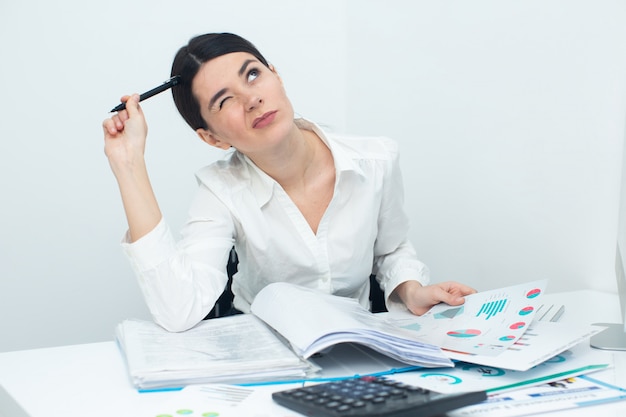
[
  {"x": 116, "y": 123},
  {"x": 132, "y": 106}
]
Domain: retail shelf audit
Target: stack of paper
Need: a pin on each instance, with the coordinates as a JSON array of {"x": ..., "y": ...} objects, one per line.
[
  {"x": 233, "y": 349},
  {"x": 289, "y": 324},
  {"x": 496, "y": 328}
]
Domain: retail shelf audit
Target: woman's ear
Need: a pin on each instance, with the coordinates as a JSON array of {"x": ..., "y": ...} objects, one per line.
[
  {"x": 273, "y": 69},
  {"x": 211, "y": 139}
]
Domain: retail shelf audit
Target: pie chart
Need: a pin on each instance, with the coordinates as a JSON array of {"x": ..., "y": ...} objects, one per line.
[
  {"x": 526, "y": 310},
  {"x": 464, "y": 333},
  {"x": 533, "y": 293},
  {"x": 517, "y": 326}
]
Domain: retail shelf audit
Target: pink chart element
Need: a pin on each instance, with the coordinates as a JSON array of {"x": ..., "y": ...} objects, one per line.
[
  {"x": 517, "y": 326},
  {"x": 533, "y": 293},
  {"x": 526, "y": 310},
  {"x": 464, "y": 333}
]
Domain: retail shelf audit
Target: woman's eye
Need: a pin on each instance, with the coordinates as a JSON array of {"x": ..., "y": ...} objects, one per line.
[
  {"x": 253, "y": 74},
  {"x": 223, "y": 101}
]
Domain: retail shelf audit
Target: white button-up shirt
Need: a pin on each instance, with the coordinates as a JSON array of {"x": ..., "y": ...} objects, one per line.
[{"x": 363, "y": 231}]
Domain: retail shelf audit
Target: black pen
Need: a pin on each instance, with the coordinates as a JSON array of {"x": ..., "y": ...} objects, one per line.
[{"x": 166, "y": 85}]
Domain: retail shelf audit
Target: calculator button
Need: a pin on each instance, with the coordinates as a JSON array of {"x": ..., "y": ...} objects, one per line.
[{"x": 333, "y": 404}]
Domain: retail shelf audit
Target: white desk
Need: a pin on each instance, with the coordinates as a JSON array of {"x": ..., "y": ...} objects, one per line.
[{"x": 91, "y": 380}]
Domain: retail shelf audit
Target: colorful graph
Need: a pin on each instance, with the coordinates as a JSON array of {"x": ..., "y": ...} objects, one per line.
[
  {"x": 526, "y": 311},
  {"x": 464, "y": 333},
  {"x": 413, "y": 326},
  {"x": 449, "y": 313},
  {"x": 492, "y": 308},
  {"x": 485, "y": 371},
  {"x": 507, "y": 338},
  {"x": 559, "y": 358},
  {"x": 517, "y": 326},
  {"x": 445, "y": 378},
  {"x": 533, "y": 293}
]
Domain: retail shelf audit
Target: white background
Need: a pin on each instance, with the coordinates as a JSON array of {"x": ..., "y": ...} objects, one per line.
[{"x": 510, "y": 118}]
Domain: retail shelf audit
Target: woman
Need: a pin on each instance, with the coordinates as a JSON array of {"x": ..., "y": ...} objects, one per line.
[{"x": 299, "y": 204}]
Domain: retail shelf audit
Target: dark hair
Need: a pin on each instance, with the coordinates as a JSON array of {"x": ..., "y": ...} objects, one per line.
[{"x": 187, "y": 62}]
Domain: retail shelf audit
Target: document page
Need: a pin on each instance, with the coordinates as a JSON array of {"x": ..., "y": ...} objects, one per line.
[
  {"x": 324, "y": 320},
  {"x": 579, "y": 360},
  {"x": 225, "y": 349},
  {"x": 567, "y": 394},
  {"x": 487, "y": 324},
  {"x": 542, "y": 341}
]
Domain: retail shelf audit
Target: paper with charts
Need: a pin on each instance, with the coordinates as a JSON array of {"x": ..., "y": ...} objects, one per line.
[{"x": 487, "y": 324}]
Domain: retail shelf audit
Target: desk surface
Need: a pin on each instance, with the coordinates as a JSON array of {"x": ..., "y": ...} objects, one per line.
[{"x": 91, "y": 379}]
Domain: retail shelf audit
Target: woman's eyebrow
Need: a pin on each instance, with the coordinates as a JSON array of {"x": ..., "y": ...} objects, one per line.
[{"x": 245, "y": 65}]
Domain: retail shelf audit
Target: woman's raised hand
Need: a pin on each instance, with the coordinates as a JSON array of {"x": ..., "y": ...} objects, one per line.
[
  {"x": 124, "y": 144},
  {"x": 125, "y": 135}
]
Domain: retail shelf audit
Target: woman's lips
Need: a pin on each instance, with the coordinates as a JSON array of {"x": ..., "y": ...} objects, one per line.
[{"x": 264, "y": 120}]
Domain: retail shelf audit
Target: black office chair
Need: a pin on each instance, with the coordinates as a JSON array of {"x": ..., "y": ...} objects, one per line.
[
  {"x": 377, "y": 296},
  {"x": 224, "y": 304}
]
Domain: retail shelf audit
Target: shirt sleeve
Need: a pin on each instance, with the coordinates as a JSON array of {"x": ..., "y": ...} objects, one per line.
[
  {"x": 395, "y": 259},
  {"x": 182, "y": 281}
]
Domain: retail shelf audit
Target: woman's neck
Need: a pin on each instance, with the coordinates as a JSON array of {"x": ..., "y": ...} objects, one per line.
[
  {"x": 298, "y": 159},
  {"x": 304, "y": 167}
]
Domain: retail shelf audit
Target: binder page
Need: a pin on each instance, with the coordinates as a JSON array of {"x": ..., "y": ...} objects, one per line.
[
  {"x": 229, "y": 348},
  {"x": 313, "y": 321}
]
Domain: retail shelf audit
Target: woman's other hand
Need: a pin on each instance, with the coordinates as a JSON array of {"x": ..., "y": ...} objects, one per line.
[{"x": 419, "y": 299}]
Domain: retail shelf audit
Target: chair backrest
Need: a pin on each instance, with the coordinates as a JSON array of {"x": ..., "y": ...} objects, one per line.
[
  {"x": 224, "y": 304},
  {"x": 377, "y": 296}
]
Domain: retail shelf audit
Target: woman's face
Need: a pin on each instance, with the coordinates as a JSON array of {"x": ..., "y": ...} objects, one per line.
[{"x": 243, "y": 102}]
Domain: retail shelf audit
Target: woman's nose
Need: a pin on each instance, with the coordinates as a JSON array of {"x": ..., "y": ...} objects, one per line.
[{"x": 254, "y": 101}]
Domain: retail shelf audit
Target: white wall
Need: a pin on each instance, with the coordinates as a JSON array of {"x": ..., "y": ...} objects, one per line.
[
  {"x": 620, "y": 256},
  {"x": 64, "y": 66},
  {"x": 510, "y": 116},
  {"x": 621, "y": 233}
]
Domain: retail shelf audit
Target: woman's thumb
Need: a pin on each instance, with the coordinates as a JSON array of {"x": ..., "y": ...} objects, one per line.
[{"x": 132, "y": 105}]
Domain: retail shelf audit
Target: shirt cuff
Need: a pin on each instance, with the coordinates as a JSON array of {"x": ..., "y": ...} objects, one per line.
[
  {"x": 151, "y": 249},
  {"x": 392, "y": 301}
]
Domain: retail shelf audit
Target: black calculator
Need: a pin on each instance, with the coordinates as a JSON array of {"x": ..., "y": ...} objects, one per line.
[{"x": 371, "y": 396}]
